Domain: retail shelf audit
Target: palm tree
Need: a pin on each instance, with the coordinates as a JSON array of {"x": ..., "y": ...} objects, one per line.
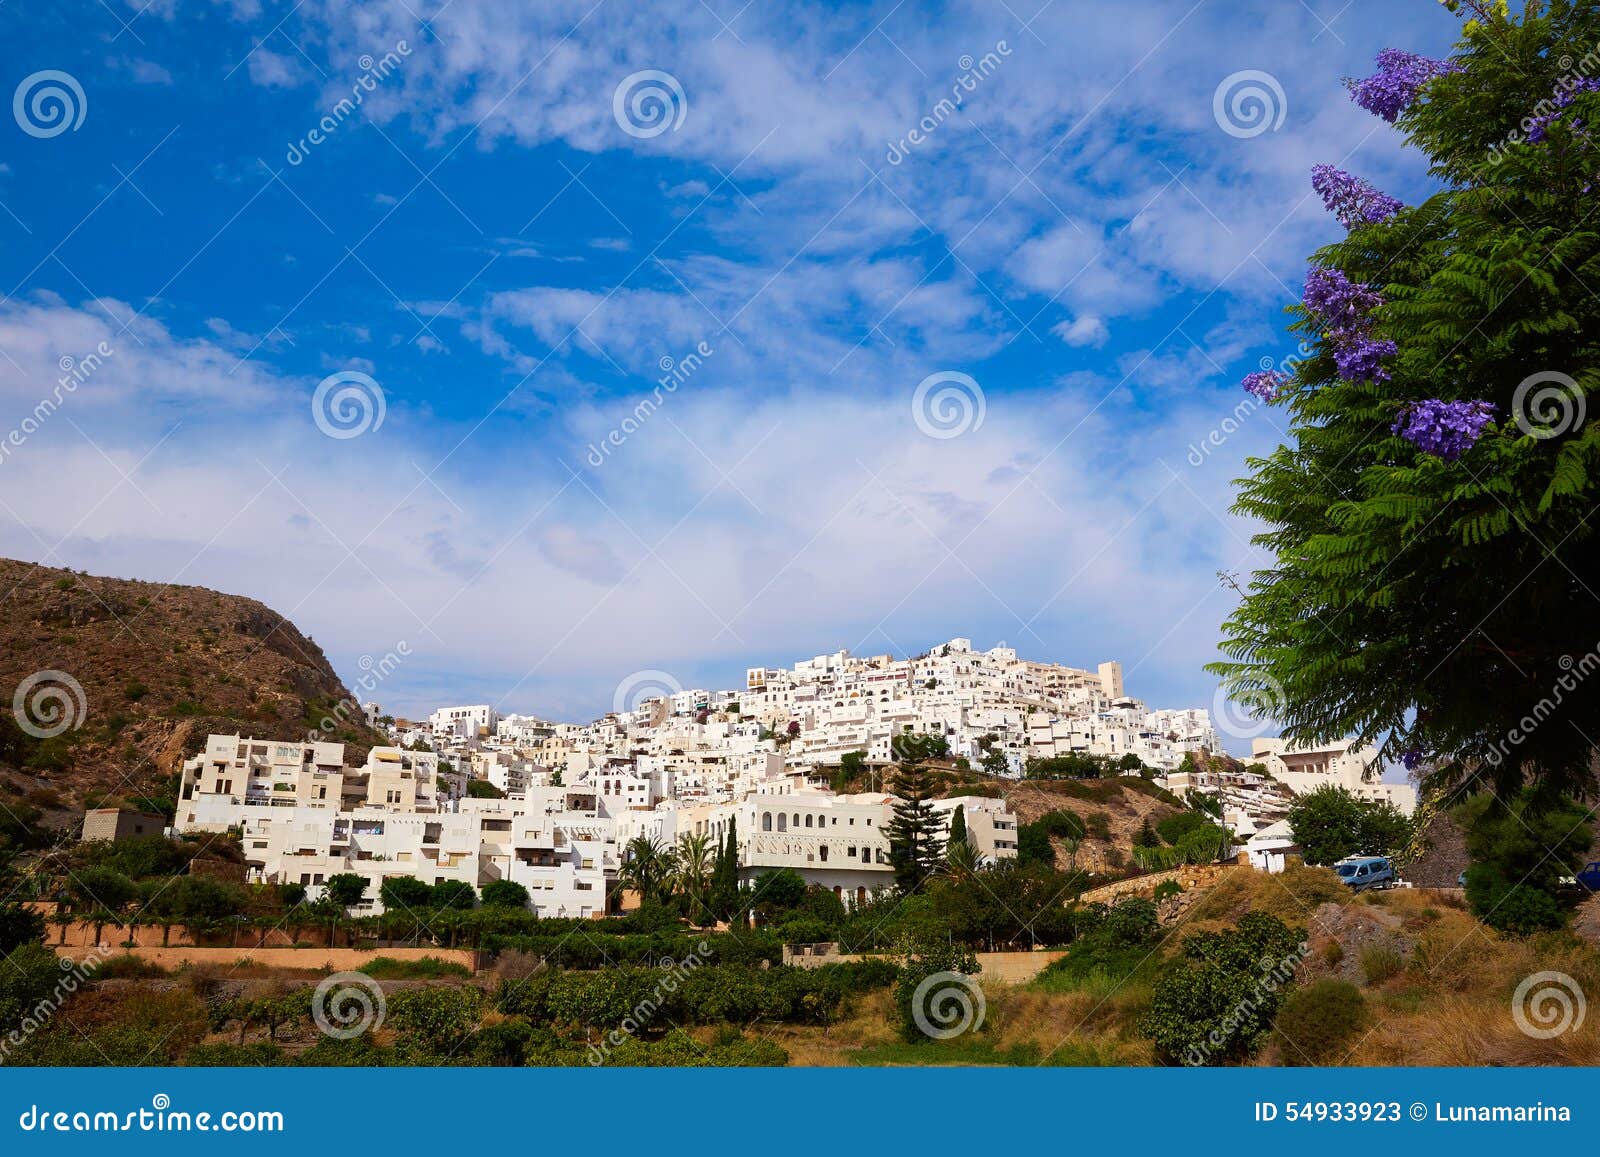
[
  {"x": 696, "y": 859},
  {"x": 646, "y": 868}
]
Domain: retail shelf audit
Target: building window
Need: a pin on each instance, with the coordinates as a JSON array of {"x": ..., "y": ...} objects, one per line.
[
  {"x": 783, "y": 822},
  {"x": 766, "y": 821}
]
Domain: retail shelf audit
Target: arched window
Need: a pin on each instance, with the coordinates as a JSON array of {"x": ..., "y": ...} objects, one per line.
[
  {"x": 766, "y": 821},
  {"x": 808, "y": 821},
  {"x": 824, "y": 851},
  {"x": 783, "y": 822}
]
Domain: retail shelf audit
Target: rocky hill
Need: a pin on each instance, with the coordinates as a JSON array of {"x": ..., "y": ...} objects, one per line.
[{"x": 114, "y": 682}]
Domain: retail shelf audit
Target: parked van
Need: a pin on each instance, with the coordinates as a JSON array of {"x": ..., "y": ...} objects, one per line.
[{"x": 1363, "y": 872}]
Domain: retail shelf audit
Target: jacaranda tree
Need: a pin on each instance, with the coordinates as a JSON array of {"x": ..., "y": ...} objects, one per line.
[{"x": 1436, "y": 580}]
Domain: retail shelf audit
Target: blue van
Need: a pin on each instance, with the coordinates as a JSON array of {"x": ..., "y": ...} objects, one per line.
[{"x": 1363, "y": 872}]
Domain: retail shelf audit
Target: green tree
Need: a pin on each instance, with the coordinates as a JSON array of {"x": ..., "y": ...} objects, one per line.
[
  {"x": 483, "y": 789},
  {"x": 1330, "y": 823},
  {"x": 504, "y": 894},
  {"x": 1217, "y": 1003},
  {"x": 916, "y": 831},
  {"x": 725, "y": 878},
  {"x": 1428, "y": 584},
  {"x": 1520, "y": 848}
]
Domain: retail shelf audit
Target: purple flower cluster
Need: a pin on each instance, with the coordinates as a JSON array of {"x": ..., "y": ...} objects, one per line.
[
  {"x": 1411, "y": 757},
  {"x": 1538, "y": 126},
  {"x": 1345, "y": 308},
  {"x": 1359, "y": 356},
  {"x": 1394, "y": 87},
  {"x": 1338, "y": 301},
  {"x": 1354, "y": 201},
  {"x": 1265, "y": 384},
  {"x": 1444, "y": 429}
]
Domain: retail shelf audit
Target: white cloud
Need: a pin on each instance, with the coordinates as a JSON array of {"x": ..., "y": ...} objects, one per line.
[{"x": 1082, "y": 331}]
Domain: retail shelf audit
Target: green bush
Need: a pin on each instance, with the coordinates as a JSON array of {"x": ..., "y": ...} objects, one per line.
[
  {"x": 1318, "y": 1023},
  {"x": 1216, "y": 1003},
  {"x": 922, "y": 963}
]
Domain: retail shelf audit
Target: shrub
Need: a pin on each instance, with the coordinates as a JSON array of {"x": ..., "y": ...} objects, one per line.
[
  {"x": 1217, "y": 1003},
  {"x": 1379, "y": 964},
  {"x": 1317, "y": 1024},
  {"x": 922, "y": 963}
]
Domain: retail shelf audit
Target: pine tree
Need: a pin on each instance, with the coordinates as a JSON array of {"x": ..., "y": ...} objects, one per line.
[
  {"x": 916, "y": 833},
  {"x": 1431, "y": 516}
]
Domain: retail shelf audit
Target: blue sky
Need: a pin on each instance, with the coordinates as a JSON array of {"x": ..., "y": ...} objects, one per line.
[{"x": 509, "y": 249}]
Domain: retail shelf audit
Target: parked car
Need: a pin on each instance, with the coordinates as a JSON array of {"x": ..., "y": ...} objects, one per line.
[
  {"x": 1589, "y": 878},
  {"x": 1363, "y": 872}
]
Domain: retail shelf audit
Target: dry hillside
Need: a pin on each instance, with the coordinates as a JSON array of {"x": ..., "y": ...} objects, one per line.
[{"x": 160, "y": 667}]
